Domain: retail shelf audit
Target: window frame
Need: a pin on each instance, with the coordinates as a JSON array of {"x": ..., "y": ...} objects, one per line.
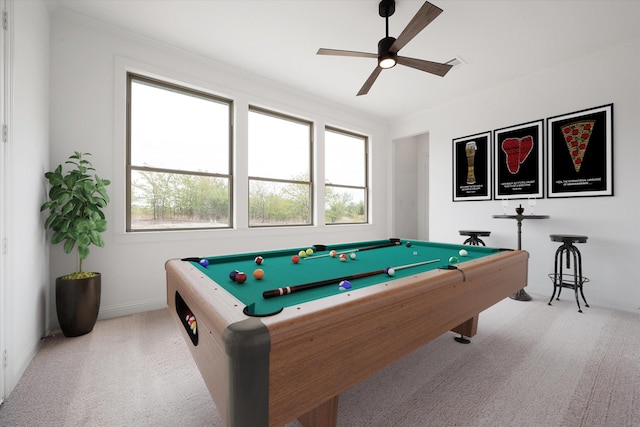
[
  {"x": 181, "y": 89},
  {"x": 310, "y": 182},
  {"x": 366, "y": 187}
]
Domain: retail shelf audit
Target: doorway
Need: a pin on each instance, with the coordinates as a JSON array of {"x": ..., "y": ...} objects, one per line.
[{"x": 410, "y": 192}]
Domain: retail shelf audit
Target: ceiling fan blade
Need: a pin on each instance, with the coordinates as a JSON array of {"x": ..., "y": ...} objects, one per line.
[
  {"x": 422, "y": 18},
  {"x": 372, "y": 78},
  {"x": 338, "y": 52},
  {"x": 420, "y": 64}
]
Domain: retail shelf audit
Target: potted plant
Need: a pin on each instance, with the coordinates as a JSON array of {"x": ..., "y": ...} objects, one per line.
[{"x": 76, "y": 200}]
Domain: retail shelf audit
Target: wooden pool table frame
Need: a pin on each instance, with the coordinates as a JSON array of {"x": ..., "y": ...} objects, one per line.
[{"x": 268, "y": 371}]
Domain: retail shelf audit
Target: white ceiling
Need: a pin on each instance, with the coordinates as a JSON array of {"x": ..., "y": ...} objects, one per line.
[{"x": 498, "y": 41}]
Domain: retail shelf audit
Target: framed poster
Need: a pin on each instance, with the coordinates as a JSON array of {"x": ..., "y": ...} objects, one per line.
[
  {"x": 472, "y": 167},
  {"x": 519, "y": 161},
  {"x": 580, "y": 153}
]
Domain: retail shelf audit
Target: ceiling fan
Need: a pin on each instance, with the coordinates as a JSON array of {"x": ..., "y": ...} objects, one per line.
[{"x": 388, "y": 47}]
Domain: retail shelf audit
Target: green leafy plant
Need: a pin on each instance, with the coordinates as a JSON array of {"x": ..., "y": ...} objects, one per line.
[{"x": 76, "y": 200}]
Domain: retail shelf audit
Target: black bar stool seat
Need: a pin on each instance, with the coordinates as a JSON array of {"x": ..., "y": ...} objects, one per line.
[
  {"x": 474, "y": 238},
  {"x": 561, "y": 279}
]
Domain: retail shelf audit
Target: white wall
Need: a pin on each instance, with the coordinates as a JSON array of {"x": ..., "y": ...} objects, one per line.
[
  {"x": 87, "y": 113},
  {"x": 610, "y": 257},
  {"x": 28, "y": 153}
]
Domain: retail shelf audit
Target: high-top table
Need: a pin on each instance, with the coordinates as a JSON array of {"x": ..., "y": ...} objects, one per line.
[{"x": 520, "y": 295}]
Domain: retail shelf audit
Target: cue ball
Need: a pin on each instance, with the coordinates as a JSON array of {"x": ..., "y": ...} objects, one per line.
[
  {"x": 352, "y": 255},
  {"x": 258, "y": 273},
  {"x": 295, "y": 259},
  {"x": 344, "y": 285},
  {"x": 204, "y": 262},
  {"x": 233, "y": 274},
  {"x": 259, "y": 260},
  {"x": 453, "y": 259},
  {"x": 462, "y": 252},
  {"x": 390, "y": 271},
  {"x": 241, "y": 277},
  {"x": 343, "y": 257}
]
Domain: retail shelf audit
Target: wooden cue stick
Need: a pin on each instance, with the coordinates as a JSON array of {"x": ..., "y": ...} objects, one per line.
[
  {"x": 297, "y": 288},
  {"x": 368, "y": 248}
]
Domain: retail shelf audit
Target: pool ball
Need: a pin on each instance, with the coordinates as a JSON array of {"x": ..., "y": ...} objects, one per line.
[
  {"x": 343, "y": 257},
  {"x": 344, "y": 285},
  {"x": 352, "y": 255},
  {"x": 333, "y": 253},
  {"x": 453, "y": 259},
  {"x": 309, "y": 251},
  {"x": 241, "y": 277},
  {"x": 203, "y": 262},
  {"x": 302, "y": 254},
  {"x": 259, "y": 260},
  {"x": 408, "y": 244},
  {"x": 462, "y": 252},
  {"x": 233, "y": 274},
  {"x": 390, "y": 271},
  {"x": 258, "y": 273},
  {"x": 295, "y": 259}
]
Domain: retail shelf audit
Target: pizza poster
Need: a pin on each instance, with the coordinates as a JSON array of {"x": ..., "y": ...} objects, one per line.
[
  {"x": 580, "y": 153},
  {"x": 519, "y": 161},
  {"x": 471, "y": 167}
]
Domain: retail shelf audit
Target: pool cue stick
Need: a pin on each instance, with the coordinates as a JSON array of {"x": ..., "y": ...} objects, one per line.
[
  {"x": 368, "y": 248},
  {"x": 297, "y": 288}
]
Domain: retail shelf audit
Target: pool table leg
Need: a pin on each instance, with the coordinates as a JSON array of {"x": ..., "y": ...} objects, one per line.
[
  {"x": 468, "y": 328},
  {"x": 325, "y": 415}
]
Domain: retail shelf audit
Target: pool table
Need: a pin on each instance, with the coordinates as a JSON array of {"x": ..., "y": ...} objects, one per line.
[{"x": 268, "y": 361}]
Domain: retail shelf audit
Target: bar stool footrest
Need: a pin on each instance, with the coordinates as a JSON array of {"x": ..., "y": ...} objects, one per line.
[{"x": 568, "y": 280}]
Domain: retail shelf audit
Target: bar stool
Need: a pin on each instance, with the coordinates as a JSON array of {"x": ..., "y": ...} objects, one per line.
[
  {"x": 566, "y": 280},
  {"x": 473, "y": 237}
]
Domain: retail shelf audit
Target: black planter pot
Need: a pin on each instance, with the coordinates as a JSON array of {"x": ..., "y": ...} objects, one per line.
[{"x": 77, "y": 304}]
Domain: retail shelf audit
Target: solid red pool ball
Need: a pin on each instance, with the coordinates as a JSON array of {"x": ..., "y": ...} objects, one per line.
[
  {"x": 295, "y": 259},
  {"x": 233, "y": 274},
  {"x": 241, "y": 277},
  {"x": 259, "y": 260},
  {"x": 258, "y": 273}
]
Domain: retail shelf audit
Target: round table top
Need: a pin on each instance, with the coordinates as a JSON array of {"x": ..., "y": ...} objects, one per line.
[{"x": 522, "y": 216}]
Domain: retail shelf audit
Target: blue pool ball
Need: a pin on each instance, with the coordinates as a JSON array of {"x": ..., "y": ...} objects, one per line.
[
  {"x": 344, "y": 285},
  {"x": 233, "y": 274},
  {"x": 204, "y": 262}
]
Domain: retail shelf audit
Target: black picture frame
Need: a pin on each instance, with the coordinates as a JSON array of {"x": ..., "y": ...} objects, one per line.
[
  {"x": 519, "y": 161},
  {"x": 580, "y": 153},
  {"x": 472, "y": 167}
]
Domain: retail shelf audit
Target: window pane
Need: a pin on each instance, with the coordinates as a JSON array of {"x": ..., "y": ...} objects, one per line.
[
  {"x": 345, "y": 159},
  {"x": 279, "y": 148},
  {"x": 345, "y": 205},
  {"x": 276, "y": 203},
  {"x": 172, "y": 201},
  {"x": 178, "y": 130}
]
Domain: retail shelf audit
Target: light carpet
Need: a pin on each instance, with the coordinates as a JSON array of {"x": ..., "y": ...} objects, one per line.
[{"x": 529, "y": 365}]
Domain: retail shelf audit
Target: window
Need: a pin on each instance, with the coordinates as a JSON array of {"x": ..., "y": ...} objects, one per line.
[
  {"x": 280, "y": 171},
  {"x": 178, "y": 157},
  {"x": 345, "y": 190}
]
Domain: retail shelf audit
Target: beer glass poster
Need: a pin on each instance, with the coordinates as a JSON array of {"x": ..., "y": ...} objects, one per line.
[
  {"x": 518, "y": 161},
  {"x": 472, "y": 167}
]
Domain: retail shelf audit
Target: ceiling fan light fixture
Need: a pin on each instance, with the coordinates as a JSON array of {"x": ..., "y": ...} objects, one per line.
[{"x": 387, "y": 61}]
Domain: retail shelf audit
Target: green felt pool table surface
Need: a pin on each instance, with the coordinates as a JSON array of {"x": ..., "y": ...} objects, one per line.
[{"x": 280, "y": 271}]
